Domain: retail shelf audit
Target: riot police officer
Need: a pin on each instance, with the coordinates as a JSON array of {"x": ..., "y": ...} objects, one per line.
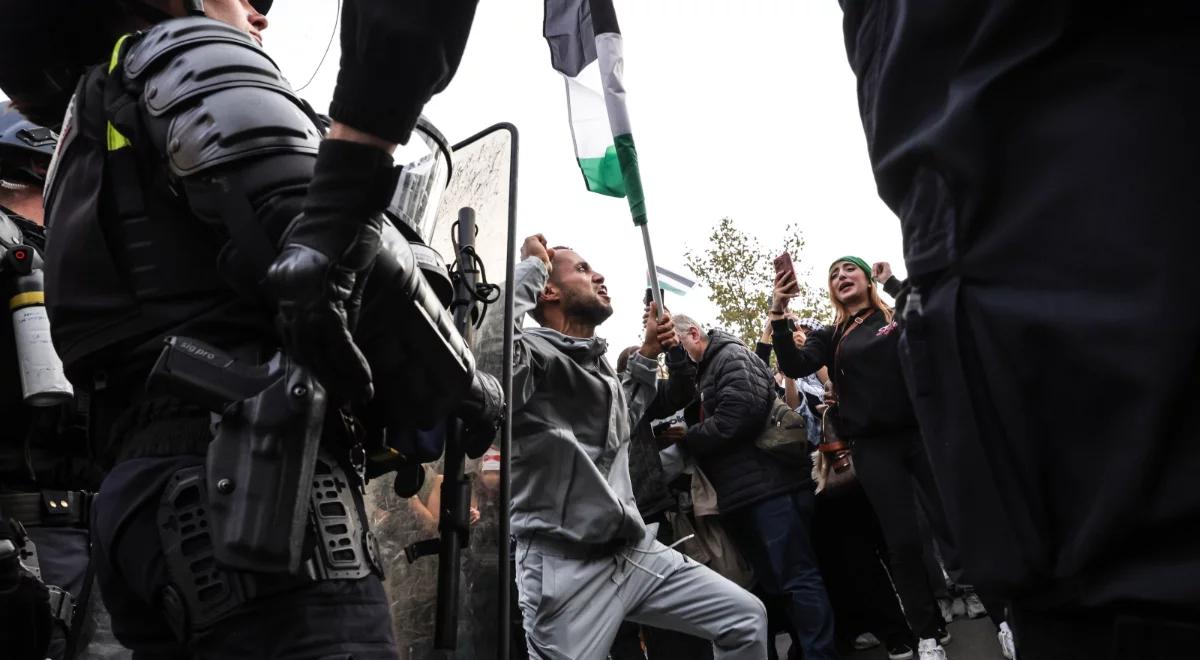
[
  {"x": 185, "y": 161},
  {"x": 47, "y": 474}
]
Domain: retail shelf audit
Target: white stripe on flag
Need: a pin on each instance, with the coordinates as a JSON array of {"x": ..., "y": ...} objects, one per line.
[
  {"x": 610, "y": 54},
  {"x": 589, "y": 118}
]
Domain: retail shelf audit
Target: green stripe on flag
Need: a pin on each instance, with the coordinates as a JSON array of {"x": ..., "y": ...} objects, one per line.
[
  {"x": 627, "y": 154},
  {"x": 603, "y": 175}
]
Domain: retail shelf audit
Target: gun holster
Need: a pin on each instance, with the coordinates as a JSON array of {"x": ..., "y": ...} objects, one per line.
[
  {"x": 259, "y": 468},
  {"x": 203, "y": 591}
]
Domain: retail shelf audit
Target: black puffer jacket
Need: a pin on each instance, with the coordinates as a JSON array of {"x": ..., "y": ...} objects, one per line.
[
  {"x": 736, "y": 391},
  {"x": 645, "y": 466}
]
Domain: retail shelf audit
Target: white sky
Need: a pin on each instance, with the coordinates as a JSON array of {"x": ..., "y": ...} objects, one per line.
[{"x": 741, "y": 109}]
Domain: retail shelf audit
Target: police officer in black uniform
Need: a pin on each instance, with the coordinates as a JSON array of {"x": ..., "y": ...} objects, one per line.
[
  {"x": 47, "y": 474},
  {"x": 186, "y": 158},
  {"x": 1043, "y": 160}
]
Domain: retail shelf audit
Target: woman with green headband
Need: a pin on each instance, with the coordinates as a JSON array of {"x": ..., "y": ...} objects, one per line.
[{"x": 874, "y": 414}]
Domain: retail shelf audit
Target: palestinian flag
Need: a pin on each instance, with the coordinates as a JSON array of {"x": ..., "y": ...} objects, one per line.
[
  {"x": 585, "y": 47},
  {"x": 672, "y": 281}
]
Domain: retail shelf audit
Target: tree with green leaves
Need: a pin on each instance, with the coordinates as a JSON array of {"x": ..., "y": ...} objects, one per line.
[{"x": 740, "y": 272}]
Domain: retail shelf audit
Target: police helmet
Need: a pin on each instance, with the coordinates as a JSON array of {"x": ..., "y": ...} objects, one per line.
[{"x": 25, "y": 147}]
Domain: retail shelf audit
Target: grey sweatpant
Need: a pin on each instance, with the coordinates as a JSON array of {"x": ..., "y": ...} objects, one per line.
[{"x": 572, "y": 607}]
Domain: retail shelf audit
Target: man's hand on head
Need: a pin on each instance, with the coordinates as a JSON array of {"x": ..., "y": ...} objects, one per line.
[
  {"x": 535, "y": 246},
  {"x": 660, "y": 332}
]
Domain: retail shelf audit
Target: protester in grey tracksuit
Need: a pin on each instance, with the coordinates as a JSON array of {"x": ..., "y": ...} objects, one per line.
[{"x": 585, "y": 560}]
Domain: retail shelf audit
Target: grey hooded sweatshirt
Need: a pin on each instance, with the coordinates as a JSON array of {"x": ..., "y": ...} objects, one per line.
[{"x": 571, "y": 425}]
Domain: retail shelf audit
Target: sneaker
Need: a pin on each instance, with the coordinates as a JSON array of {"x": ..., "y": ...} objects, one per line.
[
  {"x": 944, "y": 606},
  {"x": 866, "y": 641},
  {"x": 901, "y": 651},
  {"x": 958, "y": 608},
  {"x": 929, "y": 649},
  {"x": 975, "y": 608},
  {"x": 943, "y": 636},
  {"x": 1006, "y": 642}
]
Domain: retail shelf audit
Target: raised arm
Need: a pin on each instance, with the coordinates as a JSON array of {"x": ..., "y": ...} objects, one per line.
[
  {"x": 801, "y": 353},
  {"x": 529, "y": 279}
]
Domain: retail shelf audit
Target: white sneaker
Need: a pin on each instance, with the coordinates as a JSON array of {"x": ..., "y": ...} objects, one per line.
[
  {"x": 1006, "y": 642},
  {"x": 865, "y": 641},
  {"x": 946, "y": 610},
  {"x": 975, "y": 608},
  {"x": 929, "y": 649}
]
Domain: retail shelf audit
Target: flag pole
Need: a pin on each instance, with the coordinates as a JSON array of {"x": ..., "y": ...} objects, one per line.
[
  {"x": 657, "y": 292},
  {"x": 607, "y": 34}
]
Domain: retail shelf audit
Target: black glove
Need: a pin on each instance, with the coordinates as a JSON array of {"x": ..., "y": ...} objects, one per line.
[
  {"x": 327, "y": 253},
  {"x": 481, "y": 413}
]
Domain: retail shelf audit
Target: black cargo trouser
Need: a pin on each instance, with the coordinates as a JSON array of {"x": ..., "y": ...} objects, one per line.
[
  {"x": 1053, "y": 359},
  {"x": 333, "y": 619},
  {"x": 395, "y": 57}
]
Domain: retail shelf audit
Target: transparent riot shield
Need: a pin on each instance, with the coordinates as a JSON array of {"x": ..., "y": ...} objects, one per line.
[{"x": 483, "y": 178}]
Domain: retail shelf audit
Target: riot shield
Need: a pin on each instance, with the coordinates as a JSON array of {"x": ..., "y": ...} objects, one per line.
[{"x": 483, "y": 178}]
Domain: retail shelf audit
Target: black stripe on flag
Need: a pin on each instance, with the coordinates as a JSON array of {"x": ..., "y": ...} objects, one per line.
[{"x": 604, "y": 17}]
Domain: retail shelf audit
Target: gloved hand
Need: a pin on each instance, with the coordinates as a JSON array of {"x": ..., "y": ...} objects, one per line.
[
  {"x": 328, "y": 251},
  {"x": 481, "y": 413}
]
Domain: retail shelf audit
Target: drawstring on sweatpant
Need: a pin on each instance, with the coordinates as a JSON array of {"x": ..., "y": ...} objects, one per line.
[{"x": 631, "y": 560}]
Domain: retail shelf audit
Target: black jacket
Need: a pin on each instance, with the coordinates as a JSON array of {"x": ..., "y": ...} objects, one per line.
[
  {"x": 645, "y": 468},
  {"x": 736, "y": 391},
  {"x": 872, "y": 397}
]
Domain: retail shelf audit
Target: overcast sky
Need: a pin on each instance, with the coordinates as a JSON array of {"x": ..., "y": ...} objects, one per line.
[{"x": 743, "y": 109}]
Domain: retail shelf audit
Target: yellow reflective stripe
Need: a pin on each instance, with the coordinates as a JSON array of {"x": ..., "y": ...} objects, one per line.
[
  {"x": 115, "y": 139},
  {"x": 115, "y": 59},
  {"x": 26, "y": 299}
]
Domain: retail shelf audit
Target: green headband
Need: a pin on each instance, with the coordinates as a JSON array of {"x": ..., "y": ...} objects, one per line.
[{"x": 857, "y": 262}]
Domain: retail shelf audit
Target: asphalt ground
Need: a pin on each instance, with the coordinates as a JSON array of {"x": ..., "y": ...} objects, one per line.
[{"x": 971, "y": 639}]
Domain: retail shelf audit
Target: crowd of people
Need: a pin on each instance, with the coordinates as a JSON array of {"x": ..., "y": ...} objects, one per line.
[
  {"x": 221, "y": 341},
  {"x": 839, "y": 568}
]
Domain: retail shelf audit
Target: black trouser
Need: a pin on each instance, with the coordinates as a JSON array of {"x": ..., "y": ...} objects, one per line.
[
  {"x": 888, "y": 468},
  {"x": 1103, "y": 635},
  {"x": 661, "y": 644},
  {"x": 1051, "y": 236},
  {"x": 62, "y": 554},
  {"x": 395, "y": 57},
  {"x": 775, "y": 537},
  {"x": 849, "y": 544},
  {"x": 327, "y": 619}
]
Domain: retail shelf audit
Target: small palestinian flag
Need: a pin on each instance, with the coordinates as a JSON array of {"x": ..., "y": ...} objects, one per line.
[
  {"x": 672, "y": 281},
  {"x": 585, "y": 47}
]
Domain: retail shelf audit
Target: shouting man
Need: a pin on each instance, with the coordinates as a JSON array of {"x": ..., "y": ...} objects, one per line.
[{"x": 585, "y": 559}]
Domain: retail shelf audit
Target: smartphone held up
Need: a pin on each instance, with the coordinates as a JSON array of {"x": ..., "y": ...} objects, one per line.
[{"x": 784, "y": 268}]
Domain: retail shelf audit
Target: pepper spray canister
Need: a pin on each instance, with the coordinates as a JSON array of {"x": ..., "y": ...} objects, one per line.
[{"x": 42, "y": 379}]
